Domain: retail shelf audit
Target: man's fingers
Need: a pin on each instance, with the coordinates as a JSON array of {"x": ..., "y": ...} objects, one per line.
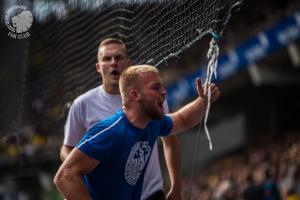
[
  {"x": 215, "y": 93},
  {"x": 203, "y": 90},
  {"x": 199, "y": 87}
]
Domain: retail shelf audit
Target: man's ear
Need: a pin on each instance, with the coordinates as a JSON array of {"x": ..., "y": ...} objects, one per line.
[
  {"x": 134, "y": 94},
  {"x": 98, "y": 67}
]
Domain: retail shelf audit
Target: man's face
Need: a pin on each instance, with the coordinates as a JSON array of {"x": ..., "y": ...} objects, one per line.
[
  {"x": 153, "y": 94},
  {"x": 112, "y": 60}
]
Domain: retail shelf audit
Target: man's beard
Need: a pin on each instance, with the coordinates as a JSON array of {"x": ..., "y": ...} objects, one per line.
[{"x": 151, "y": 110}]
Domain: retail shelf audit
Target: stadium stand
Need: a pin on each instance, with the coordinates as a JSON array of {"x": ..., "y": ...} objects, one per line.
[{"x": 37, "y": 89}]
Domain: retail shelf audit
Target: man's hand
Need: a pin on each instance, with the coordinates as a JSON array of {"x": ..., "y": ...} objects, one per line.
[
  {"x": 203, "y": 91},
  {"x": 193, "y": 112}
]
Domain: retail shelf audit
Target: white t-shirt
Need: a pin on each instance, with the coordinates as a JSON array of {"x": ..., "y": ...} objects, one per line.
[{"x": 95, "y": 105}]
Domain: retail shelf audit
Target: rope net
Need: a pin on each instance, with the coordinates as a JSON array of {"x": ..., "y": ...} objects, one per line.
[{"x": 62, "y": 49}]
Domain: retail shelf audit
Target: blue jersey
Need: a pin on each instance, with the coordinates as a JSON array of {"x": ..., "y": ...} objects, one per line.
[{"x": 123, "y": 151}]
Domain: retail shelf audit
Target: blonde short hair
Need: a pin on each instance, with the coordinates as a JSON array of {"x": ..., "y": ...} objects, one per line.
[
  {"x": 108, "y": 41},
  {"x": 130, "y": 78}
]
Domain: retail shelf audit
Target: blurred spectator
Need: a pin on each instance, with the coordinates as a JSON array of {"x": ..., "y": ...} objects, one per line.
[
  {"x": 269, "y": 172},
  {"x": 253, "y": 190}
]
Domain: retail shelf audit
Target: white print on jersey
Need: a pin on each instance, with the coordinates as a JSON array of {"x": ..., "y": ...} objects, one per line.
[{"x": 136, "y": 161}]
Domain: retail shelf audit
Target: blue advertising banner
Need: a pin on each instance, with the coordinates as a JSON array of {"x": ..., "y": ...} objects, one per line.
[{"x": 251, "y": 51}]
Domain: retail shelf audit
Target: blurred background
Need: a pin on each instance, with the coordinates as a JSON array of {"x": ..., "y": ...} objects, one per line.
[{"x": 254, "y": 126}]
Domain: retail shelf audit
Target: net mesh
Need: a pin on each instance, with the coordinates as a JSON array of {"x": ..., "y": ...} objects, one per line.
[{"x": 63, "y": 51}]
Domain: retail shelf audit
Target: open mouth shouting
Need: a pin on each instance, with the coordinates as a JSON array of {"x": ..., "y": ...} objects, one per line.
[
  {"x": 115, "y": 74},
  {"x": 161, "y": 104}
]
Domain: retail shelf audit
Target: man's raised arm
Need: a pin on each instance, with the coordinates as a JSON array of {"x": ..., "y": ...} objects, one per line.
[{"x": 192, "y": 113}]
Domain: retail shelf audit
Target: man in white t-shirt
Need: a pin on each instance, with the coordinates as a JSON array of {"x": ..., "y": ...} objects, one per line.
[{"x": 104, "y": 101}]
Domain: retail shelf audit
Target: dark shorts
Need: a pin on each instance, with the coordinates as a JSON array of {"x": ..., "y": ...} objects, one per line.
[{"x": 158, "y": 195}]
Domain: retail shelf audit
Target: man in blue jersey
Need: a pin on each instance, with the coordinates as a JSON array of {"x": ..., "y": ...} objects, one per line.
[
  {"x": 110, "y": 161},
  {"x": 103, "y": 101}
]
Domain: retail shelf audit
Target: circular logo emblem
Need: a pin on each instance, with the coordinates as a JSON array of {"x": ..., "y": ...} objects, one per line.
[
  {"x": 18, "y": 20},
  {"x": 136, "y": 161}
]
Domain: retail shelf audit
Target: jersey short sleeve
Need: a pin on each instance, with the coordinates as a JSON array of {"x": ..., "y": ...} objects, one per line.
[
  {"x": 166, "y": 126},
  {"x": 101, "y": 141},
  {"x": 73, "y": 130}
]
